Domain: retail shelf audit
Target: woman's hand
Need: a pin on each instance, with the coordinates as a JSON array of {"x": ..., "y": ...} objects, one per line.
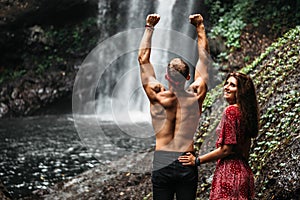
[{"x": 187, "y": 159}]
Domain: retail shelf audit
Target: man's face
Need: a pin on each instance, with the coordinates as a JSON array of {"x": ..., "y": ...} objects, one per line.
[{"x": 230, "y": 90}]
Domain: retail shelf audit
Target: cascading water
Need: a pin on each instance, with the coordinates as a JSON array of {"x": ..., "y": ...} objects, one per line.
[
  {"x": 120, "y": 94},
  {"x": 160, "y": 57}
]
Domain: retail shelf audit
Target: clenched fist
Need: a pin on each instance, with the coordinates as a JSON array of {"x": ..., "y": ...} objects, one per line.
[
  {"x": 152, "y": 19},
  {"x": 196, "y": 19}
]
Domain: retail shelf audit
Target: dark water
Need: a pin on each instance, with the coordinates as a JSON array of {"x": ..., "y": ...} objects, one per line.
[{"x": 37, "y": 152}]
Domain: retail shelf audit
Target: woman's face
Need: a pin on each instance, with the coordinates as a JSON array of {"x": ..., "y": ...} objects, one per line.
[{"x": 230, "y": 90}]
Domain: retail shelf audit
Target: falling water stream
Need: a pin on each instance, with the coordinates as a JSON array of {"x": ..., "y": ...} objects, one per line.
[{"x": 119, "y": 87}]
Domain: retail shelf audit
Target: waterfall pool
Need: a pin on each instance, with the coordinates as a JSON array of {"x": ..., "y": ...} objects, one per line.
[{"x": 37, "y": 152}]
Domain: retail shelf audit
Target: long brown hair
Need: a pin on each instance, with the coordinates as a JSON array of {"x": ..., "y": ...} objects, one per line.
[{"x": 247, "y": 101}]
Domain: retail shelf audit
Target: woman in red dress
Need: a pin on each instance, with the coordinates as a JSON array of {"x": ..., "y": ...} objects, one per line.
[{"x": 233, "y": 178}]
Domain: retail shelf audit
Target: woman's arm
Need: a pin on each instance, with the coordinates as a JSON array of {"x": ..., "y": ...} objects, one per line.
[{"x": 219, "y": 153}]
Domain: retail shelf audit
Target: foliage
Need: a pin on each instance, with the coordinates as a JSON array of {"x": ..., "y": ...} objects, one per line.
[
  {"x": 230, "y": 17},
  {"x": 11, "y": 74},
  {"x": 279, "y": 119},
  {"x": 60, "y": 45},
  {"x": 72, "y": 37},
  {"x": 228, "y": 21},
  {"x": 276, "y": 16}
]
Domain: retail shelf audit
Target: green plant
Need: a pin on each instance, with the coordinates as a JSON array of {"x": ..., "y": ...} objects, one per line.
[
  {"x": 17, "y": 74},
  {"x": 11, "y": 75},
  {"x": 230, "y": 21}
]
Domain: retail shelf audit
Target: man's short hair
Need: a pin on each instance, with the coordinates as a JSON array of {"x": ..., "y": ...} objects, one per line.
[{"x": 178, "y": 70}]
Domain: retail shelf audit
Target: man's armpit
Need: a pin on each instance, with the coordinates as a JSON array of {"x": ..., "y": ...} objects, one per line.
[
  {"x": 152, "y": 89},
  {"x": 202, "y": 90},
  {"x": 199, "y": 88},
  {"x": 202, "y": 86},
  {"x": 156, "y": 86}
]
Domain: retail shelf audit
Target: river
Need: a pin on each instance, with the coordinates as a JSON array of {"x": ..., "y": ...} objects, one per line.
[{"x": 37, "y": 152}]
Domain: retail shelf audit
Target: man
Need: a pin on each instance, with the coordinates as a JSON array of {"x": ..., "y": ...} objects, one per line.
[{"x": 175, "y": 114}]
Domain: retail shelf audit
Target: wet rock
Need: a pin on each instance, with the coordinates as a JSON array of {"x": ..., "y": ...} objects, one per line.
[
  {"x": 281, "y": 179},
  {"x": 107, "y": 182},
  {"x": 3, "y": 109},
  {"x": 15, "y": 93},
  {"x": 4, "y": 194},
  {"x": 26, "y": 95}
]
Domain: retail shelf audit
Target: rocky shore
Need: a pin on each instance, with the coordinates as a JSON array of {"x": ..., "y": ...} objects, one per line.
[
  {"x": 127, "y": 178},
  {"x": 28, "y": 94}
]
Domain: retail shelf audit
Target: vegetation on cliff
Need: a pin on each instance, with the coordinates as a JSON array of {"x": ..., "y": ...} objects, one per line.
[{"x": 276, "y": 76}]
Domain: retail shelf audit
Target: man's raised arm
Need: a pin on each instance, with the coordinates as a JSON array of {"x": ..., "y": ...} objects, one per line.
[
  {"x": 201, "y": 74},
  {"x": 150, "y": 84},
  {"x": 146, "y": 67}
]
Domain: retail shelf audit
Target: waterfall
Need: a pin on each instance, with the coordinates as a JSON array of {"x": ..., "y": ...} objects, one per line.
[
  {"x": 165, "y": 10},
  {"x": 120, "y": 96},
  {"x": 160, "y": 57},
  {"x": 103, "y": 8}
]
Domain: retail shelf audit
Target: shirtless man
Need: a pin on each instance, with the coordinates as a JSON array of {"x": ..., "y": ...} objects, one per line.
[{"x": 175, "y": 114}]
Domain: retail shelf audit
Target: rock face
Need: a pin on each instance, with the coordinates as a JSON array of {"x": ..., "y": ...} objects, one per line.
[
  {"x": 37, "y": 63},
  {"x": 18, "y": 15},
  {"x": 29, "y": 94},
  {"x": 26, "y": 13},
  {"x": 280, "y": 179}
]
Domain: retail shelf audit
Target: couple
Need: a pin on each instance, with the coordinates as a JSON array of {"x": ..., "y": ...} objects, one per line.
[{"x": 175, "y": 116}]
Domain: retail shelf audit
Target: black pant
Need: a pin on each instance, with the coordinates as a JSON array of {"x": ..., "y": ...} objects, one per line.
[{"x": 170, "y": 177}]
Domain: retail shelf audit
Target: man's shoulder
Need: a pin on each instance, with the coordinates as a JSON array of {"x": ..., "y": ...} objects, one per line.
[
  {"x": 167, "y": 99},
  {"x": 167, "y": 93}
]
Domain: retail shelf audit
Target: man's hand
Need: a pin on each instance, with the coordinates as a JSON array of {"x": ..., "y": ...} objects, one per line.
[
  {"x": 196, "y": 19},
  {"x": 152, "y": 19}
]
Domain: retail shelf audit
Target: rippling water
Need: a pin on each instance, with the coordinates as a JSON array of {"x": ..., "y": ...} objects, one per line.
[{"x": 37, "y": 152}]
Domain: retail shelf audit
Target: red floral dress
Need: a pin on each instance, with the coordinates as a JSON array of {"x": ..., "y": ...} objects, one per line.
[{"x": 233, "y": 178}]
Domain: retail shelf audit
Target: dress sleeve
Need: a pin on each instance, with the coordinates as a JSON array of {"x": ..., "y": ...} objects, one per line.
[{"x": 228, "y": 127}]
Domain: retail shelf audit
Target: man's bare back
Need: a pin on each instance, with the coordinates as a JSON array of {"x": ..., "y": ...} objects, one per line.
[
  {"x": 175, "y": 112},
  {"x": 175, "y": 118}
]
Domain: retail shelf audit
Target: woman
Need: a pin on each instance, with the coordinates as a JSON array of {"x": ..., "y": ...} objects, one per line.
[{"x": 233, "y": 178}]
